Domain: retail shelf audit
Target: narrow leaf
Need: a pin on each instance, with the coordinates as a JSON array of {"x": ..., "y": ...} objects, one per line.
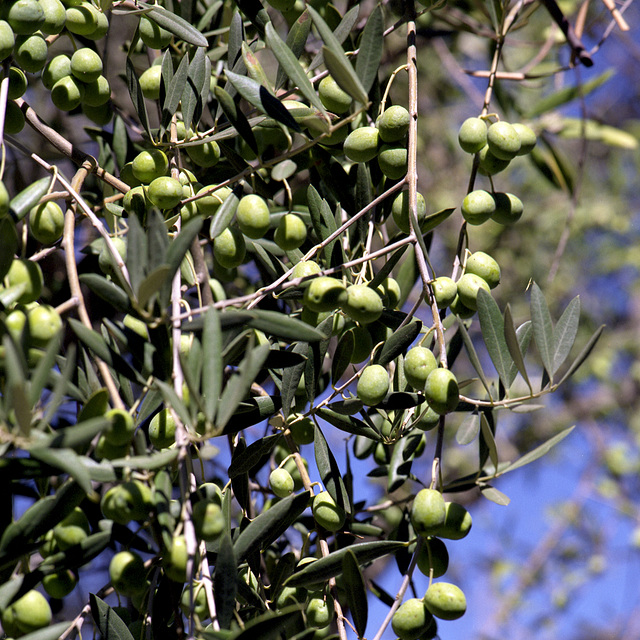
[
  {"x": 342, "y": 356},
  {"x": 492, "y": 325},
  {"x": 225, "y": 582},
  {"x": 583, "y": 355},
  {"x": 67, "y": 461},
  {"x": 212, "y": 365},
  {"x": 491, "y": 493},
  {"x": 473, "y": 356},
  {"x": 282, "y": 326},
  {"x": 356, "y": 592},
  {"x": 542, "y": 328},
  {"x": 489, "y": 440},
  {"x": 517, "y": 343},
  {"x": 108, "y": 622},
  {"x": 469, "y": 428},
  {"x": 176, "y": 25},
  {"x": 296, "y": 42},
  {"x": 28, "y": 198},
  {"x": 342, "y": 72},
  {"x": 108, "y": 290},
  {"x": 223, "y": 216},
  {"x": 175, "y": 87},
  {"x": 349, "y": 424},
  {"x": 249, "y": 457},
  {"x": 236, "y": 118},
  {"x": 341, "y": 33},
  {"x": 539, "y": 451},
  {"x": 398, "y": 342},
  {"x": 291, "y": 66},
  {"x": 329, "y": 471},
  {"x": 152, "y": 284},
  {"x": 564, "y": 333},
  {"x": 370, "y": 53},
  {"x": 137, "y": 98}
]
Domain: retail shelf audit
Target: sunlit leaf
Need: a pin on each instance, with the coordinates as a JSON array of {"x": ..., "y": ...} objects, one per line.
[
  {"x": 564, "y": 333},
  {"x": 491, "y": 493},
  {"x": 469, "y": 428},
  {"x": 492, "y": 325},
  {"x": 175, "y": 24},
  {"x": 296, "y": 42},
  {"x": 583, "y": 355},
  {"x": 370, "y": 53},
  {"x": 473, "y": 356},
  {"x": 517, "y": 343},
  {"x": 539, "y": 451},
  {"x": 489, "y": 440},
  {"x": 137, "y": 98},
  {"x": 542, "y": 328}
]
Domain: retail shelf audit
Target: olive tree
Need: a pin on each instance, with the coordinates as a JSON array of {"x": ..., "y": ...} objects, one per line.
[{"x": 225, "y": 287}]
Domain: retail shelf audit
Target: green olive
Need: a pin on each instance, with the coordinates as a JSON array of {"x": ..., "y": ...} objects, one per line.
[
  {"x": 445, "y": 600},
  {"x": 149, "y": 165},
  {"x": 17, "y": 83},
  {"x": 483, "y": 265},
  {"x": 459, "y": 309},
  {"x": 135, "y": 201},
  {"x": 121, "y": 427},
  {"x": 101, "y": 115},
  {"x": 162, "y": 429},
  {"x": 393, "y": 124},
  {"x": 363, "y": 304},
  {"x": 82, "y": 19},
  {"x": 393, "y": 160},
  {"x": 427, "y": 511},
  {"x": 457, "y": 522},
  {"x": 333, "y": 97},
  {"x": 60, "y": 584},
  {"x": 428, "y": 419},
  {"x": 319, "y": 612},
  {"x": 97, "y": 93},
  {"x": 57, "y": 68},
  {"x": 127, "y": 573},
  {"x": 165, "y": 192},
  {"x": 327, "y": 513},
  {"x": 67, "y": 93},
  {"x": 13, "y": 118},
  {"x": 154, "y": 36},
  {"x": 150, "y": 80},
  {"x": 362, "y": 343},
  {"x": 205, "y": 155},
  {"x": 509, "y": 208},
  {"x": 362, "y": 144},
  {"x": 25, "y": 17},
  {"x": 29, "y": 273},
  {"x": 208, "y": 520},
  {"x": 418, "y": 364},
  {"x": 229, "y": 248},
  {"x": 373, "y": 385},
  {"x": 253, "y": 216},
  {"x": 411, "y": 619},
  {"x": 302, "y": 429},
  {"x": 433, "y": 557},
  {"x": 472, "y": 135},
  {"x": 306, "y": 268},
  {"x": 128, "y": 501},
  {"x": 101, "y": 28},
  {"x": 488, "y": 164},
  {"x": 325, "y": 294},
  {"x": 44, "y": 324},
  {"x": 441, "y": 390},
  {"x": 291, "y": 232},
  {"x": 209, "y": 204},
  {"x": 445, "y": 291},
  {"x": 477, "y": 207},
  {"x": 31, "y": 52},
  {"x": 400, "y": 211},
  {"x": 86, "y": 65},
  {"x": 175, "y": 562},
  {"x": 72, "y": 530},
  {"x": 527, "y": 137},
  {"x": 392, "y": 292},
  {"x": 7, "y": 40},
  {"x": 46, "y": 222},
  {"x": 55, "y": 17},
  {"x": 4, "y": 200},
  {"x": 468, "y": 287},
  {"x": 27, "y": 614},
  {"x": 281, "y": 482},
  {"x": 503, "y": 140}
]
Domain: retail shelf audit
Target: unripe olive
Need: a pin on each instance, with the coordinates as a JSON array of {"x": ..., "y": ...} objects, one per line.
[
  {"x": 153, "y": 35},
  {"x": 362, "y": 144},
  {"x": 127, "y": 573},
  {"x": 46, "y": 222},
  {"x": 333, "y": 97},
  {"x": 86, "y": 65},
  {"x": 229, "y": 248},
  {"x": 306, "y": 268},
  {"x": 97, "y": 93},
  {"x": 72, "y": 530},
  {"x": 149, "y": 165},
  {"x": 400, "y": 211},
  {"x": 478, "y": 206},
  {"x": 27, "y": 614},
  {"x": 7, "y": 40},
  {"x": 44, "y": 323},
  {"x": 101, "y": 28},
  {"x": 61, "y": 584},
  {"x": 252, "y": 216},
  {"x": 488, "y": 164},
  {"x": 67, "y": 93},
  {"x": 281, "y": 482},
  {"x": 121, "y": 427},
  {"x": 325, "y": 294},
  {"x": 472, "y": 135},
  {"x": 509, "y": 208},
  {"x": 165, "y": 192},
  {"x": 107, "y": 451},
  {"x": 150, "y": 81},
  {"x": 25, "y": 17},
  {"x": 445, "y": 291},
  {"x": 55, "y": 17},
  {"x": 433, "y": 556},
  {"x": 57, "y": 68},
  {"x": 457, "y": 522},
  {"x": 428, "y": 419},
  {"x": 503, "y": 140},
  {"x": 373, "y": 384},
  {"x": 327, "y": 513},
  {"x": 31, "y": 52},
  {"x": 82, "y": 19},
  {"x": 291, "y": 595},
  {"x": 411, "y": 619},
  {"x": 4, "y": 200},
  {"x": 126, "y": 502},
  {"x": 483, "y": 265},
  {"x": 363, "y": 304},
  {"x": 29, "y": 273},
  {"x": 200, "y": 605},
  {"x": 162, "y": 429},
  {"x": 362, "y": 343},
  {"x": 392, "y": 291},
  {"x": 319, "y": 612},
  {"x": 206, "y": 154},
  {"x": 393, "y": 124},
  {"x": 291, "y": 232},
  {"x": 441, "y": 390},
  {"x": 460, "y": 310},
  {"x": 468, "y": 287},
  {"x": 427, "y": 511},
  {"x": 13, "y": 118},
  {"x": 418, "y": 364},
  {"x": 17, "y": 83},
  {"x": 208, "y": 205},
  {"x": 393, "y": 160},
  {"x": 135, "y": 201},
  {"x": 527, "y": 137},
  {"x": 208, "y": 520},
  {"x": 445, "y": 600},
  {"x": 302, "y": 429}
]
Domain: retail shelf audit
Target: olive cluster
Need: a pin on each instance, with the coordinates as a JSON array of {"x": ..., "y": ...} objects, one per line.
[
  {"x": 26, "y": 28},
  {"x": 385, "y": 142},
  {"x": 433, "y": 519}
]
